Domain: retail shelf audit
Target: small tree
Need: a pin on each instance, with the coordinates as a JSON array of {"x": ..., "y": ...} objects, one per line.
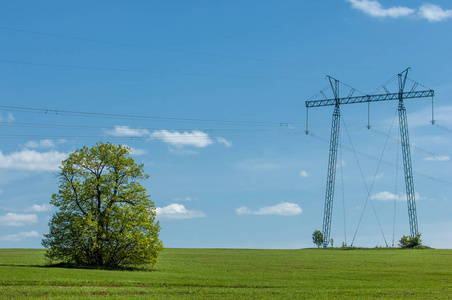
[
  {"x": 410, "y": 241},
  {"x": 104, "y": 217},
  {"x": 317, "y": 238}
]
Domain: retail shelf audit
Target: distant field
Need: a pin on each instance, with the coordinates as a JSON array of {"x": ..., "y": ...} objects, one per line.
[{"x": 236, "y": 273}]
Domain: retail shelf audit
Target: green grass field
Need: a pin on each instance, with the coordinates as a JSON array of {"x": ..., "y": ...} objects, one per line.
[{"x": 236, "y": 273}]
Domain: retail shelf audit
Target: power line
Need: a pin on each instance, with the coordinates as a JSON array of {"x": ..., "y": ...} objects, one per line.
[
  {"x": 177, "y": 50},
  {"x": 139, "y": 138},
  {"x": 415, "y": 147},
  {"x": 142, "y": 117},
  {"x": 52, "y": 111},
  {"x": 369, "y": 190},
  {"x": 443, "y": 128},
  {"x": 127, "y": 128},
  {"x": 147, "y": 47},
  {"x": 150, "y": 72},
  {"x": 383, "y": 161}
]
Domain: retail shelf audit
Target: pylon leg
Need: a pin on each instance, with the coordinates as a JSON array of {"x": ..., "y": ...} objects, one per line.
[
  {"x": 408, "y": 170},
  {"x": 331, "y": 177}
]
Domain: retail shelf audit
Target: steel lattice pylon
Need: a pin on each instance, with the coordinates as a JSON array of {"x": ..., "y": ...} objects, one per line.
[{"x": 332, "y": 161}]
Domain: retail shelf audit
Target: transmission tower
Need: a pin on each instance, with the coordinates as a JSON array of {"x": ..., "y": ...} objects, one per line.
[{"x": 403, "y": 123}]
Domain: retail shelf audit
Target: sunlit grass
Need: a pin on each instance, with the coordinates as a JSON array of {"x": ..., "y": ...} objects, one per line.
[{"x": 237, "y": 273}]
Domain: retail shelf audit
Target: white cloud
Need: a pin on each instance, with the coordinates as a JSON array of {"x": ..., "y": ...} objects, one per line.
[
  {"x": 264, "y": 166},
  {"x": 304, "y": 174},
  {"x": 184, "y": 199},
  {"x": 40, "y": 208},
  {"x": 428, "y": 11},
  {"x": 9, "y": 118},
  {"x": 178, "y": 211},
  {"x": 379, "y": 176},
  {"x": 282, "y": 209},
  {"x": 433, "y": 13},
  {"x": 243, "y": 210},
  {"x": 128, "y": 131},
  {"x": 177, "y": 139},
  {"x": 388, "y": 196},
  {"x": 257, "y": 165},
  {"x": 12, "y": 219},
  {"x": 182, "y": 151},
  {"x": 437, "y": 158},
  {"x": 32, "y": 160},
  {"x": 375, "y": 9},
  {"x": 137, "y": 152},
  {"x": 19, "y": 236},
  {"x": 40, "y": 144},
  {"x": 384, "y": 196},
  {"x": 442, "y": 115},
  {"x": 224, "y": 142}
]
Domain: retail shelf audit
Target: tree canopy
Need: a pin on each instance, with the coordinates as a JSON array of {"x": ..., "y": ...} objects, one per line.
[
  {"x": 410, "y": 241},
  {"x": 317, "y": 238},
  {"x": 104, "y": 216}
]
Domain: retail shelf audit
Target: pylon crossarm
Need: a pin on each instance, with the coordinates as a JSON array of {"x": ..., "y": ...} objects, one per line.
[{"x": 370, "y": 98}]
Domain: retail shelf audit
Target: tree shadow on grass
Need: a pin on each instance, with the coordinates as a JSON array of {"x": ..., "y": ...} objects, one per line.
[
  {"x": 88, "y": 267},
  {"x": 72, "y": 266}
]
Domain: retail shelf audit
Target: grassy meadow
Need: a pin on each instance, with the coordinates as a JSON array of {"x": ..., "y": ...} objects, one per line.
[{"x": 239, "y": 273}]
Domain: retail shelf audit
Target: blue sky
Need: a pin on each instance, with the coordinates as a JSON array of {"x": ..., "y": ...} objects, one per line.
[{"x": 221, "y": 87}]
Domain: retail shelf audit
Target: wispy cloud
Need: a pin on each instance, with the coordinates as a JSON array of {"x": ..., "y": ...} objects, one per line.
[
  {"x": 224, "y": 142},
  {"x": 437, "y": 158},
  {"x": 194, "y": 138},
  {"x": 384, "y": 196},
  {"x": 181, "y": 151},
  {"x": 257, "y": 165},
  {"x": 39, "y": 208},
  {"x": 185, "y": 199},
  {"x": 44, "y": 143},
  {"x": 32, "y": 160},
  {"x": 177, "y": 140},
  {"x": 40, "y": 144},
  {"x": 127, "y": 131},
  {"x": 281, "y": 209},
  {"x": 304, "y": 174},
  {"x": 442, "y": 115},
  {"x": 19, "y": 236},
  {"x": 388, "y": 196},
  {"x": 178, "y": 211},
  {"x": 137, "y": 152},
  {"x": 12, "y": 219},
  {"x": 375, "y": 9},
  {"x": 428, "y": 11},
  {"x": 9, "y": 118}
]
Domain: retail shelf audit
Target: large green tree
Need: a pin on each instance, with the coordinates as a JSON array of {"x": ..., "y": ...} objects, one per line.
[{"x": 104, "y": 216}]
